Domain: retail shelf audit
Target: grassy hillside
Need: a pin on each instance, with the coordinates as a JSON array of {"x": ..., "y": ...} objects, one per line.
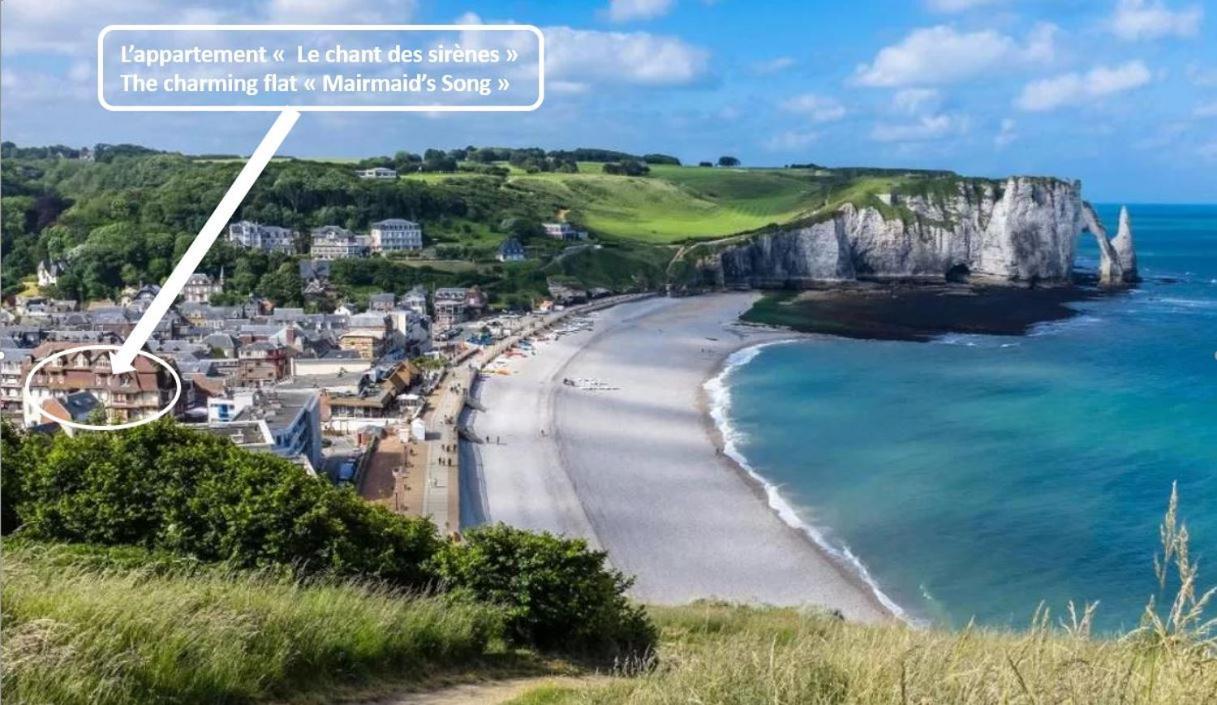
[
  {"x": 95, "y": 628},
  {"x": 721, "y": 654},
  {"x": 679, "y": 203}
]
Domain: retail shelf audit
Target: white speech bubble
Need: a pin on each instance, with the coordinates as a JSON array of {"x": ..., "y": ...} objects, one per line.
[
  {"x": 101, "y": 97},
  {"x": 177, "y": 380}
]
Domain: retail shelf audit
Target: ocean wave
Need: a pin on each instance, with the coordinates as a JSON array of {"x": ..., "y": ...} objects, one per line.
[
  {"x": 719, "y": 393},
  {"x": 1188, "y": 303},
  {"x": 974, "y": 340},
  {"x": 1053, "y": 327}
]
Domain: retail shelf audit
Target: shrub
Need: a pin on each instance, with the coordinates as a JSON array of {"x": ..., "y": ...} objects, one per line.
[
  {"x": 179, "y": 493},
  {"x": 556, "y": 592},
  {"x": 164, "y": 486}
]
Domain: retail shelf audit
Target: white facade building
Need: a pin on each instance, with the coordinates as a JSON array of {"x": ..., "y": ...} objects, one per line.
[
  {"x": 269, "y": 238},
  {"x": 379, "y": 173},
  {"x": 200, "y": 287},
  {"x": 563, "y": 231},
  {"x": 332, "y": 242},
  {"x": 396, "y": 235}
]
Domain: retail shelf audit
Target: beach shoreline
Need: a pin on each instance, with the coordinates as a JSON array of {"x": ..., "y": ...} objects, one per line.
[
  {"x": 645, "y": 472},
  {"x": 850, "y": 567}
]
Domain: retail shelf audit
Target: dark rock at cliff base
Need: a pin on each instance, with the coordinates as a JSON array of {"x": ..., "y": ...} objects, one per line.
[{"x": 918, "y": 312}]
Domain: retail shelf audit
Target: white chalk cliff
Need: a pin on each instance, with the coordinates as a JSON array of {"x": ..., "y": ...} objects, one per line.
[{"x": 1023, "y": 230}]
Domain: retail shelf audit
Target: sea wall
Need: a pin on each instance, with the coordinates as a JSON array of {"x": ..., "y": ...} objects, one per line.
[{"x": 1023, "y": 230}]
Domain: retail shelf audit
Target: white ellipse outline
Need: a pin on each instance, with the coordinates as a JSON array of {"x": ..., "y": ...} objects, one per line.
[
  {"x": 446, "y": 108},
  {"x": 25, "y": 390}
]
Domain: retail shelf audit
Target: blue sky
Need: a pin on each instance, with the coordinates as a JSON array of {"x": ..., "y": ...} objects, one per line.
[{"x": 1119, "y": 93}]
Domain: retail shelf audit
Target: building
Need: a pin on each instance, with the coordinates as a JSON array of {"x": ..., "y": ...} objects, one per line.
[
  {"x": 379, "y": 173},
  {"x": 264, "y": 363},
  {"x": 14, "y": 362},
  {"x": 415, "y": 329},
  {"x": 396, "y": 235},
  {"x": 511, "y": 251},
  {"x": 376, "y": 395},
  {"x": 368, "y": 343},
  {"x": 292, "y": 418},
  {"x": 414, "y": 300},
  {"x": 332, "y": 242},
  {"x": 382, "y": 302},
  {"x": 450, "y": 307},
  {"x": 200, "y": 287},
  {"x": 563, "y": 231},
  {"x": 268, "y": 238},
  {"x": 127, "y": 397},
  {"x": 49, "y": 271},
  {"x": 250, "y": 435},
  {"x": 78, "y": 407}
]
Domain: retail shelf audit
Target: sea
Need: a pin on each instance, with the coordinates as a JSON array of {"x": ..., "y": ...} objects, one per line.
[{"x": 980, "y": 478}]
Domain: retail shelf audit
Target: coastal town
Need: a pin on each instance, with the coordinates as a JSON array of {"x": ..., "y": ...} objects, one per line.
[{"x": 366, "y": 396}]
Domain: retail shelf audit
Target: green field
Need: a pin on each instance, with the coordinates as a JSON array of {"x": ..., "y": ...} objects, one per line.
[{"x": 674, "y": 204}]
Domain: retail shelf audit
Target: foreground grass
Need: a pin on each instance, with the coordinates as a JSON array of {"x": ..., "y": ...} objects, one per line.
[
  {"x": 91, "y": 631},
  {"x": 716, "y": 653}
]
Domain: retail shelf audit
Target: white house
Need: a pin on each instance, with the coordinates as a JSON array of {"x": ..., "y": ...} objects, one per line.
[
  {"x": 292, "y": 418},
  {"x": 563, "y": 231},
  {"x": 269, "y": 238},
  {"x": 200, "y": 287},
  {"x": 48, "y": 272},
  {"x": 332, "y": 242},
  {"x": 396, "y": 235},
  {"x": 378, "y": 173}
]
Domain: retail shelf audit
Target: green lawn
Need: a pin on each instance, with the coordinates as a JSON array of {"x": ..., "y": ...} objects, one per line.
[{"x": 673, "y": 203}]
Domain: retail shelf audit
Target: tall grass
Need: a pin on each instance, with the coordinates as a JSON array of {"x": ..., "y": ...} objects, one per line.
[
  {"x": 723, "y": 654},
  {"x": 81, "y": 632}
]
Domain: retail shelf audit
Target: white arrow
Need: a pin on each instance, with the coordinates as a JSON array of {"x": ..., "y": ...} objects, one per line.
[{"x": 120, "y": 361}]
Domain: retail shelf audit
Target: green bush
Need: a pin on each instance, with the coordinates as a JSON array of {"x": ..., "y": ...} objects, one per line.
[
  {"x": 180, "y": 493},
  {"x": 557, "y": 593},
  {"x": 164, "y": 486}
]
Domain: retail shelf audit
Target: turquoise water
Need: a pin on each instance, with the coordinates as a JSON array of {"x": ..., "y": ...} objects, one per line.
[{"x": 975, "y": 476}]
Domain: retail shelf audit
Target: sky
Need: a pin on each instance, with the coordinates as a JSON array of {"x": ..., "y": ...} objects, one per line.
[{"x": 1121, "y": 94}]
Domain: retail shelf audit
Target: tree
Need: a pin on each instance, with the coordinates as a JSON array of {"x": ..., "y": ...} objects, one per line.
[
  {"x": 283, "y": 286},
  {"x": 557, "y": 592},
  {"x": 163, "y": 486},
  {"x": 728, "y": 161}
]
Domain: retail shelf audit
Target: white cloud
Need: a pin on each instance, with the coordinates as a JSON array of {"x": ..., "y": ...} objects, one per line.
[
  {"x": 816, "y": 107},
  {"x": 627, "y": 10},
  {"x": 942, "y": 54},
  {"x": 69, "y": 26},
  {"x": 1076, "y": 88},
  {"x": 791, "y": 139},
  {"x": 925, "y": 129},
  {"x": 956, "y": 5},
  {"x": 1208, "y": 151},
  {"x": 1206, "y": 110},
  {"x": 915, "y": 101},
  {"x": 1137, "y": 20},
  {"x": 781, "y": 63},
  {"x": 346, "y": 11},
  {"x": 636, "y": 58},
  {"x": 1006, "y": 135}
]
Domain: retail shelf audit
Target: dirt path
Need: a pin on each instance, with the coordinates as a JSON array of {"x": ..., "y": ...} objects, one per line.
[{"x": 490, "y": 693}]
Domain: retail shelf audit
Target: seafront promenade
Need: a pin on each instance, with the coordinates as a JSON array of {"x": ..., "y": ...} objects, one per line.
[{"x": 441, "y": 489}]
